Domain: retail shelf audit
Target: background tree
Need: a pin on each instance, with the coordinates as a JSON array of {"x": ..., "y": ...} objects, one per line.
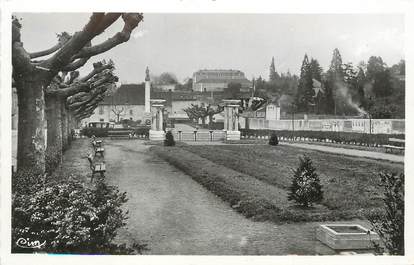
[
  {"x": 165, "y": 78},
  {"x": 196, "y": 112},
  {"x": 315, "y": 70},
  {"x": 211, "y": 111},
  {"x": 335, "y": 79},
  {"x": 187, "y": 86},
  {"x": 32, "y": 77},
  {"x": 305, "y": 93},
  {"x": 232, "y": 91},
  {"x": 260, "y": 84},
  {"x": 273, "y": 75},
  {"x": 328, "y": 100},
  {"x": 118, "y": 111}
]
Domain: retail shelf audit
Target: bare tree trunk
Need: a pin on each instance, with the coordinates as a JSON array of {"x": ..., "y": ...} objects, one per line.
[
  {"x": 70, "y": 126},
  {"x": 54, "y": 131},
  {"x": 31, "y": 127},
  {"x": 64, "y": 127}
]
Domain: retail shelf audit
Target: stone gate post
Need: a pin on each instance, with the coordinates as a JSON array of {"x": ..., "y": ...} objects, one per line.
[
  {"x": 157, "y": 133},
  {"x": 231, "y": 119}
]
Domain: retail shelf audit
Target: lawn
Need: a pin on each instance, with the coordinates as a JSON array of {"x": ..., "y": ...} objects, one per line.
[{"x": 350, "y": 184}]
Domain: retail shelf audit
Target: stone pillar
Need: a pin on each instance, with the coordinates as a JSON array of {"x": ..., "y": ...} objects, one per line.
[
  {"x": 161, "y": 119},
  {"x": 147, "y": 96},
  {"x": 231, "y": 119},
  {"x": 147, "y": 113},
  {"x": 157, "y": 133},
  {"x": 225, "y": 118}
]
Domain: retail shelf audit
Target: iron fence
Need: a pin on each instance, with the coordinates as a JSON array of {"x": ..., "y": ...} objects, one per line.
[{"x": 200, "y": 136}]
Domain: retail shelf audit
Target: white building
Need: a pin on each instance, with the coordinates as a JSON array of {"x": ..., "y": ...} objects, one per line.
[{"x": 218, "y": 80}]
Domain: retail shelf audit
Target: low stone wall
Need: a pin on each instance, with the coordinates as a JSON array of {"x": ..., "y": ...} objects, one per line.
[{"x": 376, "y": 126}]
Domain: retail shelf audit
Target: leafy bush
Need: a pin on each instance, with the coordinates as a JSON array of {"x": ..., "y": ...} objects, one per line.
[
  {"x": 26, "y": 181},
  {"x": 70, "y": 218},
  {"x": 390, "y": 224},
  {"x": 306, "y": 188},
  {"x": 273, "y": 139},
  {"x": 169, "y": 139},
  {"x": 143, "y": 130}
]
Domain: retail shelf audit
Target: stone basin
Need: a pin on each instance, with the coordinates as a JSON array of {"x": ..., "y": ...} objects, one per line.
[{"x": 346, "y": 236}]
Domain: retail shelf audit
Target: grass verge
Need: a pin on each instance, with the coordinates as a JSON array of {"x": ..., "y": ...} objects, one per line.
[{"x": 248, "y": 195}]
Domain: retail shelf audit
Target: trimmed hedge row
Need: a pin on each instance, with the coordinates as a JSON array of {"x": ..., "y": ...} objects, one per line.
[
  {"x": 103, "y": 132},
  {"x": 335, "y": 137}
]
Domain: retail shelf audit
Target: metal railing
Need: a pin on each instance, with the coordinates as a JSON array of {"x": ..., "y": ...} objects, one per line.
[{"x": 200, "y": 136}]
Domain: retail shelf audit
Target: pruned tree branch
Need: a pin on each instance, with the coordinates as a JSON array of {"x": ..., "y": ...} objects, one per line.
[
  {"x": 71, "y": 90},
  {"x": 62, "y": 39},
  {"x": 108, "y": 20},
  {"x": 75, "y": 65},
  {"x": 99, "y": 78},
  {"x": 131, "y": 21},
  {"x": 77, "y": 102},
  {"x": 98, "y": 68},
  {"x": 75, "y": 48},
  {"x": 72, "y": 76}
]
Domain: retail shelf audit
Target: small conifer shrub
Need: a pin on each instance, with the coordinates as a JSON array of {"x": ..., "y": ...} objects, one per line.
[
  {"x": 169, "y": 139},
  {"x": 273, "y": 139},
  {"x": 306, "y": 188}
]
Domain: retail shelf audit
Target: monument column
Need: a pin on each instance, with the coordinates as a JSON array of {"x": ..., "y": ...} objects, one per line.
[
  {"x": 147, "y": 112},
  {"x": 231, "y": 108}
]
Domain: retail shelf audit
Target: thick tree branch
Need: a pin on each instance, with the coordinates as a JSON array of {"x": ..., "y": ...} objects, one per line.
[
  {"x": 98, "y": 68},
  {"x": 91, "y": 105},
  {"x": 62, "y": 39},
  {"x": 71, "y": 90},
  {"x": 75, "y": 65},
  {"x": 108, "y": 20},
  {"x": 79, "y": 40},
  {"x": 79, "y": 101},
  {"x": 20, "y": 59},
  {"x": 131, "y": 21}
]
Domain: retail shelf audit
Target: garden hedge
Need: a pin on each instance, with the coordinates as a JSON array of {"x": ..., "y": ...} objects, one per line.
[{"x": 335, "y": 137}]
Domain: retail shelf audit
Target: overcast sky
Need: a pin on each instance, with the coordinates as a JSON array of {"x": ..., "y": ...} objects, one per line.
[{"x": 185, "y": 43}]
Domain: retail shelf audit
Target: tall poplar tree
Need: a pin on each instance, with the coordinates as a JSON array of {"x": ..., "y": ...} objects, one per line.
[
  {"x": 305, "y": 93},
  {"x": 273, "y": 75}
]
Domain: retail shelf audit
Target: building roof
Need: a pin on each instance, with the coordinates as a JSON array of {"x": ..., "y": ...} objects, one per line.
[
  {"x": 132, "y": 94},
  {"x": 225, "y": 80},
  {"x": 218, "y": 71}
]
